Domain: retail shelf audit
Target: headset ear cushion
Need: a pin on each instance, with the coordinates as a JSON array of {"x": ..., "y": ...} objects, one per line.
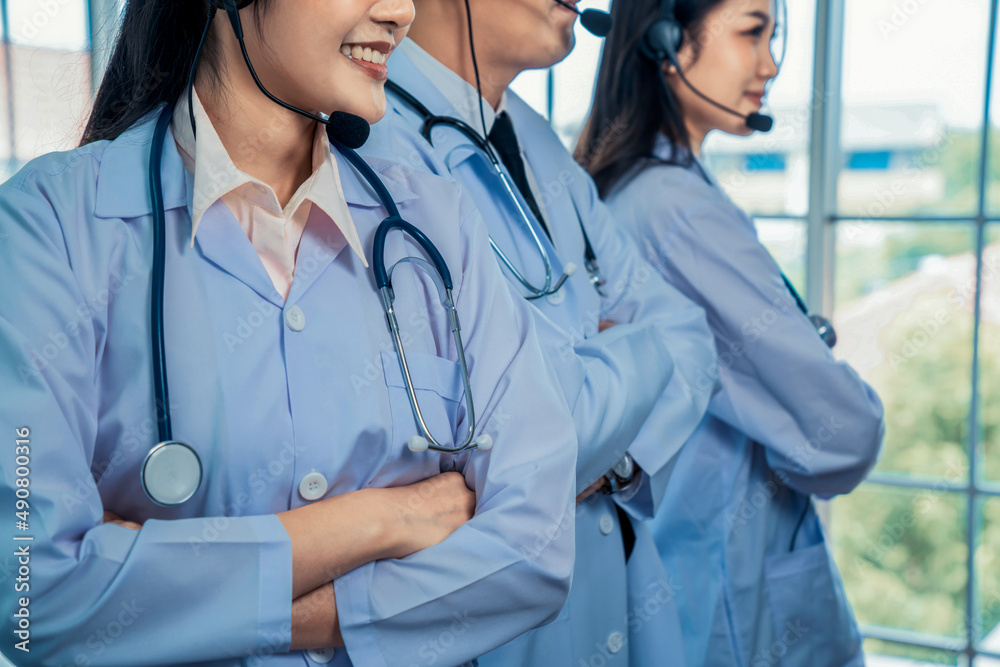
[{"x": 664, "y": 39}]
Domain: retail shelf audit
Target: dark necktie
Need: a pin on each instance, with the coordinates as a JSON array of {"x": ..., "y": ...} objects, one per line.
[{"x": 505, "y": 142}]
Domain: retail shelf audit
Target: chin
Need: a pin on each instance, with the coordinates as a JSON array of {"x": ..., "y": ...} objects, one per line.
[
  {"x": 738, "y": 126},
  {"x": 741, "y": 129},
  {"x": 372, "y": 111},
  {"x": 372, "y": 114}
]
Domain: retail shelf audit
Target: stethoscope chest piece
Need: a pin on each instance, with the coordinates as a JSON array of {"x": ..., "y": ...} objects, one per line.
[
  {"x": 824, "y": 328},
  {"x": 171, "y": 473}
]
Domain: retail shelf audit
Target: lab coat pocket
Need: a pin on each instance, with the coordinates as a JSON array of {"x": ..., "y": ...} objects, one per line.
[
  {"x": 437, "y": 383},
  {"x": 812, "y": 621}
]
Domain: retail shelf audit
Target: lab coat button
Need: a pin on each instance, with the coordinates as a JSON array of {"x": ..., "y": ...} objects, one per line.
[
  {"x": 607, "y": 524},
  {"x": 321, "y": 655},
  {"x": 557, "y": 297},
  {"x": 295, "y": 318},
  {"x": 616, "y": 641},
  {"x": 312, "y": 486}
]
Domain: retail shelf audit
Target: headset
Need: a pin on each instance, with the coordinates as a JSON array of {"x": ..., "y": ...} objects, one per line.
[{"x": 663, "y": 40}]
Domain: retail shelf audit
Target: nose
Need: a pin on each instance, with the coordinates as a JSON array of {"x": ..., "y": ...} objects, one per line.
[
  {"x": 766, "y": 69},
  {"x": 393, "y": 14}
]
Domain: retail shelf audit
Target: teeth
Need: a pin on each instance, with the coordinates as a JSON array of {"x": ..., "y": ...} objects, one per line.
[{"x": 364, "y": 53}]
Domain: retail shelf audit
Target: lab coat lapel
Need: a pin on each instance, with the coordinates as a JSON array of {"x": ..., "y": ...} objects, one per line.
[
  {"x": 222, "y": 241},
  {"x": 452, "y": 146},
  {"x": 454, "y": 149},
  {"x": 123, "y": 191}
]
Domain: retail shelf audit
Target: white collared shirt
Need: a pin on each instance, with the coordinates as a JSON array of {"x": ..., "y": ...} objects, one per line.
[{"x": 274, "y": 231}]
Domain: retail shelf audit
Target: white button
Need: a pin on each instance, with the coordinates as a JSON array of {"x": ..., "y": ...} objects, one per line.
[
  {"x": 607, "y": 524},
  {"x": 615, "y": 641},
  {"x": 312, "y": 486},
  {"x": 295, "y": 318},
  {"x": 558, "y": 297},
  {"x": 321, "y": 655}
]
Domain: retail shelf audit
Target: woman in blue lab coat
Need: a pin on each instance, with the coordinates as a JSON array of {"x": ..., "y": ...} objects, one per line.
[
  {"x": 737, "y": 527},
  {"x": 315, "y": 535}
]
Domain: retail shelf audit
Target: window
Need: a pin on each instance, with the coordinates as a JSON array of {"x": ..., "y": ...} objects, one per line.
[{"x": 45, "y": 81}]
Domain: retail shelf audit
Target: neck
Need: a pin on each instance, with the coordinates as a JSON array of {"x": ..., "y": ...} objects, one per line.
[
  {"x": 435, "y": 29},
  {"x": 263, "y": 139},
  {"x": 696, "y": 137}
]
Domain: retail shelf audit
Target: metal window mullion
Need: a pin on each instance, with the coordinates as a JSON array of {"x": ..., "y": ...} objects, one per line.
[
  {"x": 550, "y": 94},
  {"x": 931, "y": 219},
  {"x": 102, "y": 15},
  {"x": 939, "y": 485},
  {"x": 824, "y": 153},
  {"x": 9, "y": 73},
  {"x": 913, "y": 638},
  {"x": 972, "y": 512}
]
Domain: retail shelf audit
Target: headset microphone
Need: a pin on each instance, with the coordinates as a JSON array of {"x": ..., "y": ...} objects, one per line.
[
  {"x": 755, "y": 121},
  {"x": 661, "y": 43},
  {"x": 350, "y": 130},
  {"x": 594, "y": 21}
]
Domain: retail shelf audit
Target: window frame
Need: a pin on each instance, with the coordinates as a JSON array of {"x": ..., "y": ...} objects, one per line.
[{"x": 822, "y": 217}]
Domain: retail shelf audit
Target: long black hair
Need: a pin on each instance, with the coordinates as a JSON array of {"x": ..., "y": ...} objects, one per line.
[
  {"x": 632, "y": 103},
  {"x": 151, "y": 62}
]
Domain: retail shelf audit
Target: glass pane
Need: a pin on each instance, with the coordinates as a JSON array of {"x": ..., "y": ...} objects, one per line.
[
  {"x": 913, "y": 90},
  {"x": 786, "y": 241},
  {"x": 986, "y": 662},
  {"x": 993, "y": 163},
  {"x": 6, "y": 147},
  {"x": 904, "y": 320},
  {"x": 52, "y": 97},
  {"x": 989, "y": 355},
  {"x": 533, "y": 87},
  {"x": 52, "y": 24},
  {"x": 880, "y": 653},
  {"x": 573, "y": 81},
  {"x": 768, "y": 174},
  {"x": 988, "y": 577},
  {"x": 901, "y": 553}
]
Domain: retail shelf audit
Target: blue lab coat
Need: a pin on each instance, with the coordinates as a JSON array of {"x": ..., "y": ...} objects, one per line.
[
  {"x": 629, "y": 387},
  {"x": 789, "y": 421},
  {"x": 265, "y": 396}
]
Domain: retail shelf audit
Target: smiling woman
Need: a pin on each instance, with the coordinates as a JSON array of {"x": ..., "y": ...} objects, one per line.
[{"x": 313, "y": 527}]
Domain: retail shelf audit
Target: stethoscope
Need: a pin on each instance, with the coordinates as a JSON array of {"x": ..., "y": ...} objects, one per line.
[
  {"x": 172, "y": 472},
  {"x": 432, "y": 120}
]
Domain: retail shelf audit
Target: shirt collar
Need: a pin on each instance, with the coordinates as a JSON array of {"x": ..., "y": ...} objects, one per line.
[
  {"x": 215, "y": 174},
  {"x": 123, "y": 178},
  {"x": 664, "y": 149},
  {"x": 457, "y": 91}
]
